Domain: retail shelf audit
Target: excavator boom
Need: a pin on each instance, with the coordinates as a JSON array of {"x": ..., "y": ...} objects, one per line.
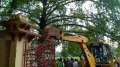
[
  {"x": 75, "y": 38},
  {"x": 82, "y": 40}
]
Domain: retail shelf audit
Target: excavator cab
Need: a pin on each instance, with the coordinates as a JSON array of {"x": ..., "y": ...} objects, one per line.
[{"x": 102, "y": 53}]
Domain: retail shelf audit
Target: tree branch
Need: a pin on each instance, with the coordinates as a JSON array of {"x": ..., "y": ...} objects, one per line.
[
  {"x": 65, "y": 18},
  {"x": 51, "y": 11},
  {"x": 53, "y": 4},
  {"x": 72, "y": 31},
  {"x": 53, "y": 7},
  {"x": 73, "y": 25},
  {"x": 56, "y": 20}
]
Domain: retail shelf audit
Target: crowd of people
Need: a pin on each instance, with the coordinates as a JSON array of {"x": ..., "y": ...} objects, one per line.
[{"x": 68, "y": 62}]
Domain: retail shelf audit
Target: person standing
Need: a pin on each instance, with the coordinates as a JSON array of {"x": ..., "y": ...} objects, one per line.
[
  {"x": 65, "y": 61},
  {"x": 70, "y": 62},
  {"x": 60, "y": 63},
  {"x": 75, "y": 63}
]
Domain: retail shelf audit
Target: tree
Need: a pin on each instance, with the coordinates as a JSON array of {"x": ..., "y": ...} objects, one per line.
[
  {"x": 43, "y": 12},
  {"x": 46, "y": 11},
  {"x": 55, "y": 12}
]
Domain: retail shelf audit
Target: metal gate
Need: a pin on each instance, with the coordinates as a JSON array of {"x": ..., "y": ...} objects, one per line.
[
  {"x": 30, "y": 58},
  {"x": 41, "y": 56}
]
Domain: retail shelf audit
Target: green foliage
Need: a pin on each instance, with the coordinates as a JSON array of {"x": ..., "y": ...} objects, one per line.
[
  {"x": 117, "y": 52},
  {"x": 71, "y": 50}
]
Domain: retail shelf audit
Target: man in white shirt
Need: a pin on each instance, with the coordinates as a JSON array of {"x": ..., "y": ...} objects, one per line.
[{"x": 75, "y": 63}]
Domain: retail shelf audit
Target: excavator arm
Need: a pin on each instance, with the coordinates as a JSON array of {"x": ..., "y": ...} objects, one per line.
[
  {"x": 82, "y": 40},
  {"x": 57, "y": 34}
]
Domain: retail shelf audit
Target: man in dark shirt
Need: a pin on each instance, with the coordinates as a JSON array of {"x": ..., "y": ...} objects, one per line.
[{"x": 70, "y": 63}]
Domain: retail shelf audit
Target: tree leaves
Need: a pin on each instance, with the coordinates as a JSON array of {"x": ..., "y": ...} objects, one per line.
[{"x": 71, "y": 49}]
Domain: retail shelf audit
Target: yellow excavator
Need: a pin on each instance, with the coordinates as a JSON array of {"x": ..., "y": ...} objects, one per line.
[{"x": 92, "y": 52}]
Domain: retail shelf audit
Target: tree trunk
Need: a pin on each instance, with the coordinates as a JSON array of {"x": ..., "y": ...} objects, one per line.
[
  {"x": 13, "y": 6},
  {"x": 42, "y": 23},
  {"x": 43, "y": 19}
]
